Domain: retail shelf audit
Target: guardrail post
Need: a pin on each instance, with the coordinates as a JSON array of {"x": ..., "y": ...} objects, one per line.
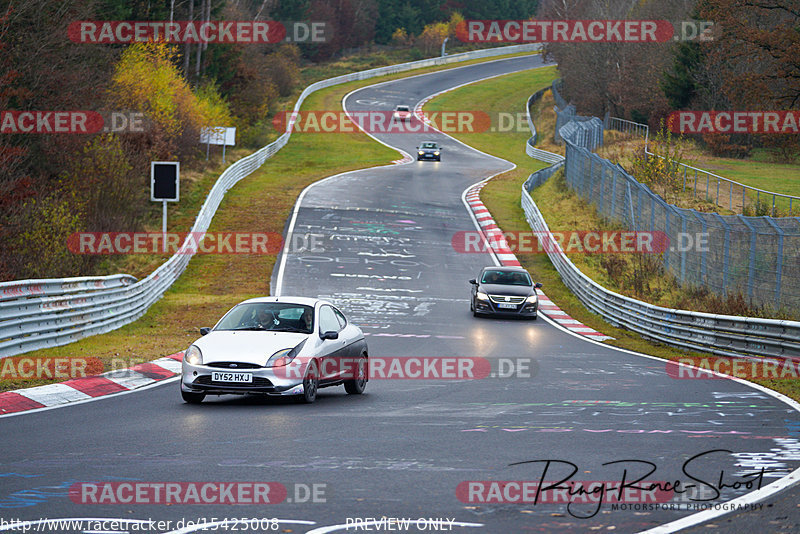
[
  {"x": 752, "y": 264},
  {"x": 778, "y": 260}
]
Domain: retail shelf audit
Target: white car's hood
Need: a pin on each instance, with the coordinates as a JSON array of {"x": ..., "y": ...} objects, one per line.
[{"x": 245, "y": 345}]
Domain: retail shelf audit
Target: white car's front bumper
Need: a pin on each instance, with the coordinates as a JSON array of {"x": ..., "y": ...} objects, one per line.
[{"x": 198, "y": 379}]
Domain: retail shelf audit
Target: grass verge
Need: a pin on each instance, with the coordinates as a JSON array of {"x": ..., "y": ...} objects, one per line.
[{"x": 700, "y": 194}]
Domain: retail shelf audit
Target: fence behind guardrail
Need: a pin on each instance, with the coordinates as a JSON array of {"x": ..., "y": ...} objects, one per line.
[{"x": 750, "y": 253}]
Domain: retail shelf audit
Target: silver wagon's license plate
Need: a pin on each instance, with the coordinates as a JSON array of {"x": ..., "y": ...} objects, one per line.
[
  {"x": 507, "y": 306},
  {"x": 232, "y": 377}
]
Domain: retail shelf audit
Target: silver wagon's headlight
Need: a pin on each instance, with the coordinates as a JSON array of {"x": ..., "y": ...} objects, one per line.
[
  {"x": 533, "y": 299},
  {"x": 193, "y": 356},
  {"x": 482, "y": 296}
]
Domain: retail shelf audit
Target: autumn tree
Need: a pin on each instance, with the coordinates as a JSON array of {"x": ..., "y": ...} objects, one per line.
[{"x": 616, "y": 77}]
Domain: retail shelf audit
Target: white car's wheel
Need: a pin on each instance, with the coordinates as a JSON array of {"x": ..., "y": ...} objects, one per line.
[
  {"x": 310, "y": 384},
  {"x": 357, "y": 385}
]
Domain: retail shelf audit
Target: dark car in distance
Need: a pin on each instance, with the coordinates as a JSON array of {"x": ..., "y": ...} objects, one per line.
[
  {"x": 429, "y": 150},
  {"x": 507, "y": 291}
]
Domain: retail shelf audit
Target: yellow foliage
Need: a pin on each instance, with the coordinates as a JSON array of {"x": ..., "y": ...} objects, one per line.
[
  {"x": 146, "y": 80},
  {"x": 432, "y": 36},
  {"x": 212, "y": 107},
  {"x": 400, "y": 37},
  {"x": 455, "y": 19}
]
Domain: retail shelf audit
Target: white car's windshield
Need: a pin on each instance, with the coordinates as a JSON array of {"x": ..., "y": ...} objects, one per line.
[
  {"x": 428, "y": 145},
  {"x": 506, "y": 278},
  {"x": 274, "y": 316}
]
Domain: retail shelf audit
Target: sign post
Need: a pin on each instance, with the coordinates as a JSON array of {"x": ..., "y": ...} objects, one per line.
[
  {"x": 164, "y": 187},
  {"x": 218, "y": 135}
]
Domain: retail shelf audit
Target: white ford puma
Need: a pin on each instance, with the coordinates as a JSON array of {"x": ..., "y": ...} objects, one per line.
[{"x": 276, "y": 346}]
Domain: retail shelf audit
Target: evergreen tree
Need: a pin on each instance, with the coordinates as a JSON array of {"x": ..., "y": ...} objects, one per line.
[{"x": 679, "y": 83}]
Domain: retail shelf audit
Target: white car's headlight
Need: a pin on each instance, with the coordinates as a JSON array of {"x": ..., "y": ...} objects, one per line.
[
  {"x": 421, "y": 152},
  {"x": 193, "y": 356},
  {"x": 285, "y": 356},
  {"x": 436, "y": 153},
  {"x": 482, "y": 296},
  {"x": 533, "y": 299},
  {"x": 280, "y": 358}
]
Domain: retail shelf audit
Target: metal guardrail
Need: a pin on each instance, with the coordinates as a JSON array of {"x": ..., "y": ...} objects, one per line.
[
  {"x": 37, "y": 314},
  {"x": 530, "y": 148},
  {"x": 723, "y": 335},
  {"x": 695, "y": 176}
]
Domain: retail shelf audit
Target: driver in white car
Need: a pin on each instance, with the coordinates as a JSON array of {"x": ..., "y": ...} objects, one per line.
[{"x": 264, "y": 318}]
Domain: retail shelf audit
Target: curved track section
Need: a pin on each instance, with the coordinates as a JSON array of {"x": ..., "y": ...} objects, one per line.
[{"x": 402, "y": 449}]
